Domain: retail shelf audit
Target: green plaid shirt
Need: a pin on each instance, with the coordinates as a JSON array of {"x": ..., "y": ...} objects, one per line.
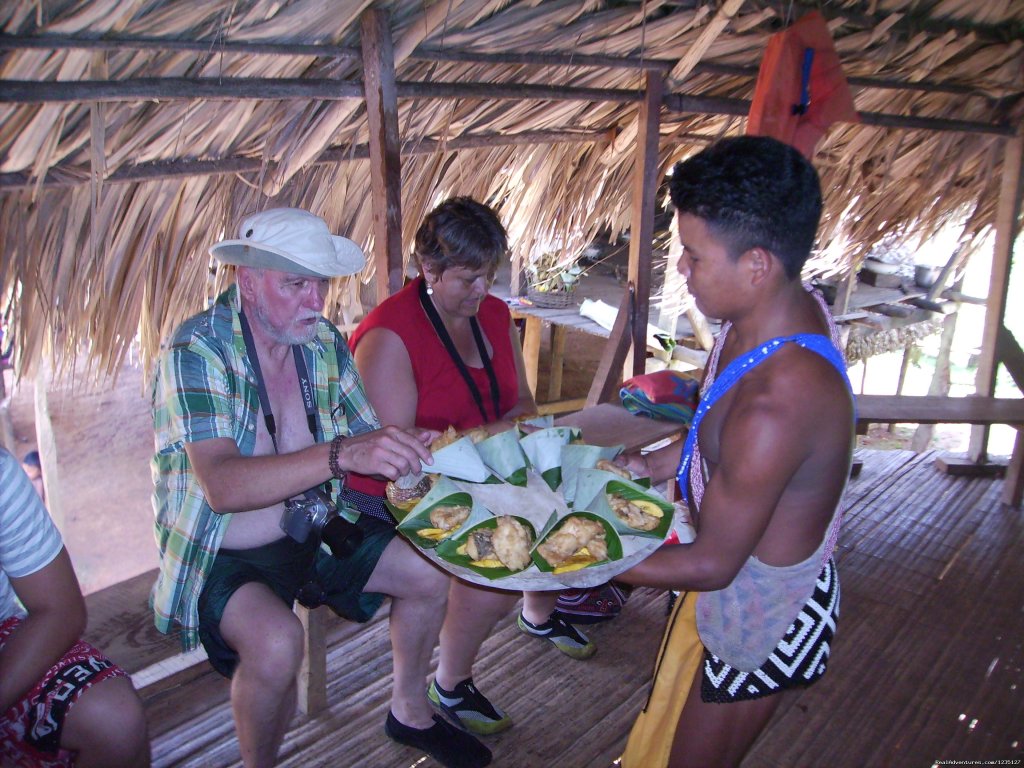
[{"x": 205, "y": 388}]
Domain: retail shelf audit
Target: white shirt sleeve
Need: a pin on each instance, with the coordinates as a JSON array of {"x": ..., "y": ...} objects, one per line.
[{"x": 29, "y": 541}]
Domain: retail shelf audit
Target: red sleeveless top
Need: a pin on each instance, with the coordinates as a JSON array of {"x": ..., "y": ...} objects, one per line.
[{"x": 443, "y": 397}]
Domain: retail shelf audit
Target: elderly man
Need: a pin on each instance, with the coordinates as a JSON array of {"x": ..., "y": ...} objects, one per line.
[{"x": 259, "y": 414}]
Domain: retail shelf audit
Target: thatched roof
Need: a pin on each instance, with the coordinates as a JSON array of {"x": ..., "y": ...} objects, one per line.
[{"x": 111, "y": 190}]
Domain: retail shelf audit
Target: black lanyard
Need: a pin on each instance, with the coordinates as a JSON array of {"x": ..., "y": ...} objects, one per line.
[
  {"x": 446, "y": 339},
  {"x": 312, "y": 415}
]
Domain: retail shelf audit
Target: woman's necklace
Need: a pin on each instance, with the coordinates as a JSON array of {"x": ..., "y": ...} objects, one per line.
[{"x": 426, "y": 301}]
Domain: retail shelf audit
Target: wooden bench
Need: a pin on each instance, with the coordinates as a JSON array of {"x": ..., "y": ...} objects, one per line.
[
  {"x": 892, "y": 409},
  {"x": 121, "y": 624}
]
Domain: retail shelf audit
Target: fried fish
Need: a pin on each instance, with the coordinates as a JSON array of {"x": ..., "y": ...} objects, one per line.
[
  {"x": 639, "y": 514},
  {"x": 507, "y": 544},
  {"x": 564, "y": 549}
]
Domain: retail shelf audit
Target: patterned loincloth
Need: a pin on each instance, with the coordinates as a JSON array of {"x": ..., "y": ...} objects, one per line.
[
  {"x": 30, "y": 730},
  {"x": 798, "y": 660}
]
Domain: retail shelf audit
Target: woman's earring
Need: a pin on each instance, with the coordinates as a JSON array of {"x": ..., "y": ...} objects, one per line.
[{"x": 430, "y": 289}]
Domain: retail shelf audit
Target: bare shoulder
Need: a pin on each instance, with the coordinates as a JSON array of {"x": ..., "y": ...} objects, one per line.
[
  {"x": 788, "y": 398},
  {"x": 799, "y": 381},
  {"x": 378, "y": 343}
]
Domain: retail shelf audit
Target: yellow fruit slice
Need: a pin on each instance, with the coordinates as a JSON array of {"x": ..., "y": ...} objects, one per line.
[
  {"x": 487, "y": 563},
  {"x": 580, "y": 559}
]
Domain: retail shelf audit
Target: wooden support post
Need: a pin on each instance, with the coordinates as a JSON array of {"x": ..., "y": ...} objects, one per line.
[
  {"x": 902, "y": 378},
  {"x": 6, "y": 423},
  {"x": 312, "y": 678},
  {"x": 46, "y": 441},
  {"x": 645, "y": 191},
  {"x": 1009, "y": 353},
  {"x": 609, "y": 367},
  {"x": 557, "y": 361},
  {"x": 995, "y": 310},
  {"x": 385, "y": 155},
  {"x": 531, "y": 351},
  {"x": 1013, "y": 485}
]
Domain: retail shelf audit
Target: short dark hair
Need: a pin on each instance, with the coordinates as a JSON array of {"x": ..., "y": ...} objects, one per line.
[
  {"x": 460, "y": 232},
  {"x": 32, "y": 459},
  {"x": 753, "y": 191}
]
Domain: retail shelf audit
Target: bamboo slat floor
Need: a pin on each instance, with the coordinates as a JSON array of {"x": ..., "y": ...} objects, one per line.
[{"x": 926, "y": 665}]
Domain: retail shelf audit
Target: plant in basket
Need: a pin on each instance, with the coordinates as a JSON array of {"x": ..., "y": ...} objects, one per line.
[{"x": 553, "y": 279}]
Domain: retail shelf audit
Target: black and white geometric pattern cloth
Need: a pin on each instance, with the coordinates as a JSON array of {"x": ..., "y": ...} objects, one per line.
[{"x": 798, "y": 660}]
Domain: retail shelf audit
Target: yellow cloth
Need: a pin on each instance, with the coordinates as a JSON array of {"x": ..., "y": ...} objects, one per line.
[{"x": 650, "y": 741}]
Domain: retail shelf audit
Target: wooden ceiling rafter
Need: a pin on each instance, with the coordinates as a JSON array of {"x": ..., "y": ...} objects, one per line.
[
  {"x": 157, "y": 171},
  {"x": 541, "y": 59}
]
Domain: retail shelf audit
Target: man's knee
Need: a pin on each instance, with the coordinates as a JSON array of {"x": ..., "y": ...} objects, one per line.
[
  {"x": 274, "y": 652},
  {"x": 266, "y": 635}
]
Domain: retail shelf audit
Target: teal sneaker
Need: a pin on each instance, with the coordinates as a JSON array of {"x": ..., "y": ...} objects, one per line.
[
  {"x": 564, "y": 635},
  {"x": 470, "y": 707}
]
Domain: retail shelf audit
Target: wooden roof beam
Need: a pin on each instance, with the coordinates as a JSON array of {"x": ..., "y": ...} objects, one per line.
[
  {"x": 909, "y": 25},
  {"x": 157, "y": 171},
  {"x": 716, "y": 105},
  {"x": 163, "y": 44},
  {"x": 156, "y": 89},
  {"x": 183, "y": 88},
  {"x": 55, "y": 42}
]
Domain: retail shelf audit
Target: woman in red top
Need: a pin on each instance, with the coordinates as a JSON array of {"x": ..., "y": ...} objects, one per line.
[{"x": 441, "y": 352}]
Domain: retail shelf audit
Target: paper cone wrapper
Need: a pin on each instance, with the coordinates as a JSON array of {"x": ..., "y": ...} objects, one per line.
[
  {"x": 445, "y": 493},
  {"x": 541, "y": 422},
  {"x": 503, "y": 455},
  {"x": 576, "y": 457},
  {"x": 607, "y": 483},
  {"x": 544, "y": 450},
  {"x": 459, "y": 460}
]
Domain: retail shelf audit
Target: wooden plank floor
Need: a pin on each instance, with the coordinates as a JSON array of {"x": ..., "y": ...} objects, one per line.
[{"x": 927, "y": 663}]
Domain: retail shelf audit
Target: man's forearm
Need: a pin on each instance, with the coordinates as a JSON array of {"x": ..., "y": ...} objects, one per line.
[{"x": 679, "y": 567}]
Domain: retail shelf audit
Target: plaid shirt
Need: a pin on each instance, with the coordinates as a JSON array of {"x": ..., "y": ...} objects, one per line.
[{"x": 205, "y": 388}]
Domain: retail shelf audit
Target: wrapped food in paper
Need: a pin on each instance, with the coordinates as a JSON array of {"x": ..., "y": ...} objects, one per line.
[
  {"x": 576, "y": 541},
  {"x": 441, "y": 514},
  {"x": 581, "y": 456},
  {"x": 460, "y": 460},
  {"x": 540, "y": 422},
  {"x": 502, "y": 455},
  {"x": 406, "y": 492},
  {"x": 495, "y": 548},
  {"x": 543, "y": 448},
  {"x": 631, "y": 508}
]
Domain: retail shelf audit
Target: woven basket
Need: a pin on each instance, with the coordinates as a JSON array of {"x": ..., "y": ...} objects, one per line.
[{"x": 551, "y": 299}]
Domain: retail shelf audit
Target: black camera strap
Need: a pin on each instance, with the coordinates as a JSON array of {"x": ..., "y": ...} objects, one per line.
[
  {"x": 305, "y": 386},
  {"x": 449, "y": 345}
]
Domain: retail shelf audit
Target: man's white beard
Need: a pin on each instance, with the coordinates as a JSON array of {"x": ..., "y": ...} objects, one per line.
[{"x": 279, "y": 335}]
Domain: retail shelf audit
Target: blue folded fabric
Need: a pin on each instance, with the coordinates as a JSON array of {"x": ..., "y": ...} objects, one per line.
[{"x": 667, "y": 395}]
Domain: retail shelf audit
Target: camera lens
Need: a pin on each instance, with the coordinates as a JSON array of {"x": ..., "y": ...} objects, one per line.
[{"x": 341, "y": 536}]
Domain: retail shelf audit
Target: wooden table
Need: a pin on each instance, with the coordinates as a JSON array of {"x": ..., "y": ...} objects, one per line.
[
  {"x": 560, "y": 319},
  {"x": 611, "y": 424}
]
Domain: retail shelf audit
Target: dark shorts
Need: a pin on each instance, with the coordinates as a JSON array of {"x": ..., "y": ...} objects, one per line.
[
  {"x": 286, "y": 567},
  {"x": 30, "y": 730},
  {"x": 798, "y": 660}
]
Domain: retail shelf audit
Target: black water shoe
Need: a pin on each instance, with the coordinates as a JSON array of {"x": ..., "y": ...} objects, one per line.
[{"x": 444, "y": 742}]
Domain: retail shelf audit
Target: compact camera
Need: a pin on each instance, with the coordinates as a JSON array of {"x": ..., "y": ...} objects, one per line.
[{"x": 316, "y": 514}]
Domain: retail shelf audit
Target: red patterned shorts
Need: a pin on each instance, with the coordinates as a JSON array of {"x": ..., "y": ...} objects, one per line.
[{"x": 30, "y": 730}]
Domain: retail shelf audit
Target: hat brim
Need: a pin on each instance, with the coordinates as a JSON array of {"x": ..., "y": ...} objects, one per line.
[{"x": 348, "y": 258}]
